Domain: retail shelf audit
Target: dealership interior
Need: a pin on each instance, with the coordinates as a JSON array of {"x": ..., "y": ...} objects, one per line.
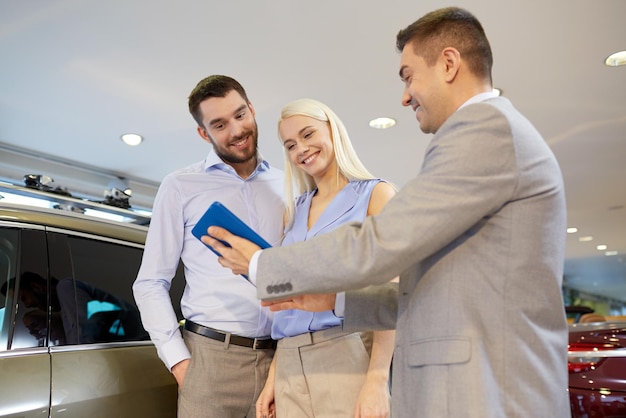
[
  {"x": 83, "y": 74},
  {"x": 94, "y": 114}
]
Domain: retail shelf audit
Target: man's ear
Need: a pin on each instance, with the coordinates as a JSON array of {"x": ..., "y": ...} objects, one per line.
[
  {"x": 452, "y": 62},
  {"x": 204, "y": 134}
]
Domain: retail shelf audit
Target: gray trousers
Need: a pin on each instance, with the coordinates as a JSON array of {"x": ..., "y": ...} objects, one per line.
[{"x": 222, "y": 381}]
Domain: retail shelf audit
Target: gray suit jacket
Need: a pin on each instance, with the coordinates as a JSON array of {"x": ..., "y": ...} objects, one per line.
[{"x": 478, "y": 240}]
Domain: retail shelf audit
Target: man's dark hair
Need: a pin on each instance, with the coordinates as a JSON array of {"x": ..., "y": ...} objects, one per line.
[
  {"x": 449, "y": 27},
  {"x": 26, "y": 281},
  {"x": 212, "y": 86}
]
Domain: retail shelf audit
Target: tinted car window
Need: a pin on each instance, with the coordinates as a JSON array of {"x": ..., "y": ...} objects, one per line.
[
  {"x": 27, "y": 300},
  {"x": 8, "y": 261},
  {"x": 91, "y": 284},
  {"x": 85, "y": 298}
]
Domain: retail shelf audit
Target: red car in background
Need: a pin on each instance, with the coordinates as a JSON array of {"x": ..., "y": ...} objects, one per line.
[{"x": 597, "y": 368}]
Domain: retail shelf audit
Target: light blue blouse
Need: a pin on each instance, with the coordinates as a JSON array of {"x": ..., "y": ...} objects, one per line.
[{"x": 349, "y": 205}]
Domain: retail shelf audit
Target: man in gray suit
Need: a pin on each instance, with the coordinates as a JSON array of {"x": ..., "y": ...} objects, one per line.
[{"x": 477, "y": 238}]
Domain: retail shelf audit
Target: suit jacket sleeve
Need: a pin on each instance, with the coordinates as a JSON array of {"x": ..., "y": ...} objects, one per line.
[
  {"x": 469, "y": 172},
  {"x": 371, "y": 308}
]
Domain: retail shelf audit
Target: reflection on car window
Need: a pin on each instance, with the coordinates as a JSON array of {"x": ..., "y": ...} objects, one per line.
[
  {"x": 70, "y": 322},
  {"x": 92, "y": 315},
  {"x": 102, "y": 286},
  {"x": 86, "y": 298},
  {"x": 96, "y": 308},
  {"x": 8, "y": 262}
]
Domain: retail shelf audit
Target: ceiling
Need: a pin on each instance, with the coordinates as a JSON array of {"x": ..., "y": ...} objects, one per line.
[{"x": 76, "y": 74}]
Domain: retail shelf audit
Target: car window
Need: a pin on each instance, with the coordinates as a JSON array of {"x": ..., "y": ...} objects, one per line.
[
  {"x": 24, "y": 289},
  {"x": 91, "y": 282},
  {"x": 8, "y": 262},
  {"x": 70, "y": 289}
]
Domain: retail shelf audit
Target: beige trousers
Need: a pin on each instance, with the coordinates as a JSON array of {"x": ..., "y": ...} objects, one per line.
[
  {"x": 222, "y": 381},
  {"x": 319, "y": 374}
]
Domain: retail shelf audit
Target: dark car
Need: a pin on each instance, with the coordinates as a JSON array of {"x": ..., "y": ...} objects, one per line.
[
  {"x": 597, "y": 369},
  {"x": 71, "y": 339}
]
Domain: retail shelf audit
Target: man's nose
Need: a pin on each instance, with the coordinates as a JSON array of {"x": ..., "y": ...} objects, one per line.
[
  {"x": 406, "y": 98},
  {"x": 238, "y": 130}
]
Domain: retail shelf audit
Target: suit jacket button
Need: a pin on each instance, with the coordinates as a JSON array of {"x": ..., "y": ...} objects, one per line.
[
  {"x": 269, "y": 289},
  {"x": 288, "y": 287},
  {"x": 281, "y": 288}
]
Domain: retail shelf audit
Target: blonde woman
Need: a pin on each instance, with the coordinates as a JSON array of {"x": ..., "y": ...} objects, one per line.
[{"x": 319, "y": 370}]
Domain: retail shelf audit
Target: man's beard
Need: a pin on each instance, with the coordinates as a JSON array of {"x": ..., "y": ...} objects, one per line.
[{"x": 234, "y": 158}]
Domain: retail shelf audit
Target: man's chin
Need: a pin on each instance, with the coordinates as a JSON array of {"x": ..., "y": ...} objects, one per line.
[
  {"x": 427, "y": 129},
  {"x": 239, "y": 158}
]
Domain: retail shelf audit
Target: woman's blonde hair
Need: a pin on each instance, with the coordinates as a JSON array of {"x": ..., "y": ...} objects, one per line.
[{"x": 349, "y": 165}]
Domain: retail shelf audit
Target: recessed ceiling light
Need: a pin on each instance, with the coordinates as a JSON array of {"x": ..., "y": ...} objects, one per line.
[
  {"x": 601, "y": 247},
  {"x": 132, "y": 139},
  {"x": 497, "y": 91},
  {"x": 572, "y": 230},
  {"x": 382, "y": 123},
  {"x": 610, "y": 253},
  {"x": 616, "y": 59},
  {"x": 585, "y": 239}
]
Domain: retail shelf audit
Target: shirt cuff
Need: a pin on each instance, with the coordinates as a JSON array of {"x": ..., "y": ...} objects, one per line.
[
  {"x": 252, "y": 267},
  {"x": 340, "y": 305}
]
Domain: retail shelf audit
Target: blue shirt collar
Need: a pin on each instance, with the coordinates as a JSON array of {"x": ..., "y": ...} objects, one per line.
[{"x": 213, "y": 161}]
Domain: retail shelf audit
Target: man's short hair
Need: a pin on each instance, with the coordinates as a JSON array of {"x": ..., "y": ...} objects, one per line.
[
  {"x": 212, "y": 86},
  {"x": 449, "y": 27}
]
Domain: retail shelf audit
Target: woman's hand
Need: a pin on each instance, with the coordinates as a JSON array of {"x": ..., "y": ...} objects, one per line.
[
  {"x": 373, "y": 400},
  {"x": 265, "y": 406}
]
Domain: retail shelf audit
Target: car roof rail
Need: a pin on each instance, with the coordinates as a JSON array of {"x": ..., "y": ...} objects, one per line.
[{"x": 63, "y": 200}]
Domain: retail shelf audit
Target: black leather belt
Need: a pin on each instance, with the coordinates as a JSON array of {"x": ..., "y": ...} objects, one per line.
[{"x": 254, "y": 343}]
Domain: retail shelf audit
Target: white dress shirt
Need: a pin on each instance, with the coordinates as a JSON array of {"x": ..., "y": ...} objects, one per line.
[{"x": 213, "y": 296}]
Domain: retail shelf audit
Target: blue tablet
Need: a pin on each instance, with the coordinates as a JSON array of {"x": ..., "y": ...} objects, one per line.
[{"x": 217, "y": 214}]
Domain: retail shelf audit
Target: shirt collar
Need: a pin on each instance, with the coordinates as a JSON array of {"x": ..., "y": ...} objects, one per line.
[
  {"x": 480, "y": 97},
  {"x": 214, "y": 161}
]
